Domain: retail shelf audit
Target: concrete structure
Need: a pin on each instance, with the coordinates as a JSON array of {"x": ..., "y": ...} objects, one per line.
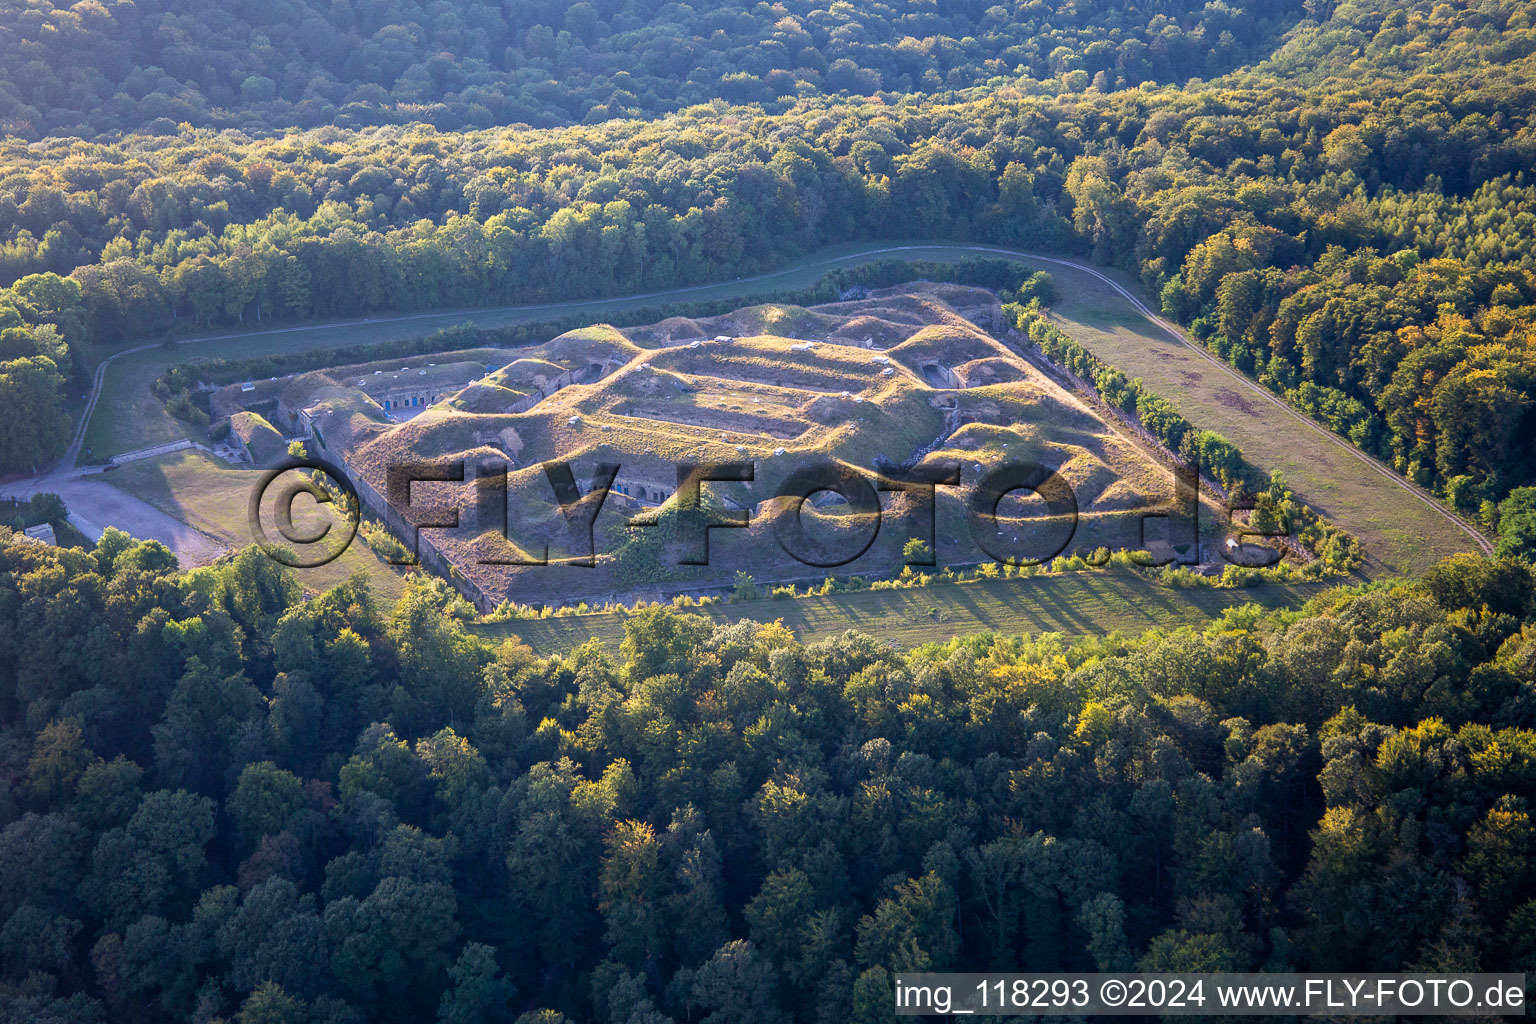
[
  {"x": 643, "y": 490},
  {"x": 407, "y": 391}
]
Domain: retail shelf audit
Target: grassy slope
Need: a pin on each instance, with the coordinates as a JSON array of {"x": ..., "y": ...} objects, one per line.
[
  {"x": 214, "y": 498},
  {"x": 1072, "y": 603}
]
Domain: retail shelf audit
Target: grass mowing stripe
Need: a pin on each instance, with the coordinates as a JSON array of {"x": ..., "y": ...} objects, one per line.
[{"x": 1076, "y": 604}]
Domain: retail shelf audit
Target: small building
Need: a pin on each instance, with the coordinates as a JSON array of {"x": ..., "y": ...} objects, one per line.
[{"x": 43, "y": 534}]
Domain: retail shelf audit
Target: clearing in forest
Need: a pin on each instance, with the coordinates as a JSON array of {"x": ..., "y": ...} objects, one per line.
[{"x": 882, "y": 386}]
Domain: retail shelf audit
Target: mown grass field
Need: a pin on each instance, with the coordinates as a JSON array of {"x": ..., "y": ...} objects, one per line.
[
  {"x": 1400, "y": 534},
  {"x": 1075, "y": 604},
  {"x": 214, "y": 498}
]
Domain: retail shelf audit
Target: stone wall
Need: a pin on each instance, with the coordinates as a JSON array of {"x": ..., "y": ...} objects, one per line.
[{"x": 428, "y": 553}]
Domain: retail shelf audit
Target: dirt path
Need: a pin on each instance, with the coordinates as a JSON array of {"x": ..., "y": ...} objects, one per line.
[{"x": 95, "y": 505}]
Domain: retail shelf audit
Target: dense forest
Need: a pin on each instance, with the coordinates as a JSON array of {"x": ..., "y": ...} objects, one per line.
[
  {"x": 219, "y": 801},
  {"x": 95, "y": 68},
  {"x": 1360, "y": 244},
  {"x": 224, "y": 800}
]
